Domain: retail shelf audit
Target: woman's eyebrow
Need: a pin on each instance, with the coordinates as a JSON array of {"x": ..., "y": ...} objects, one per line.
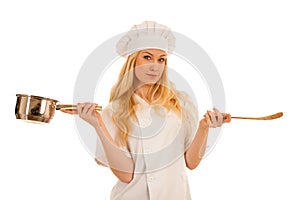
[
  {"x": 163, "y": 55},
  {"x": 152, "y": 54},
  {"x": 148, "y": 53}
]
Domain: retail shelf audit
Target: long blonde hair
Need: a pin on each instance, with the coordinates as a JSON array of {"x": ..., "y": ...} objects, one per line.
[{"x": 161, "y": 93}]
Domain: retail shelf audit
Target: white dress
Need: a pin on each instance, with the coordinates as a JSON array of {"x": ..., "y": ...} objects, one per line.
[{"x": 157, "y": 145}]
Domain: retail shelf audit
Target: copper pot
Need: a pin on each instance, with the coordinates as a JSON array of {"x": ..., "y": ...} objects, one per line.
[{"x": 39, "y": 109}]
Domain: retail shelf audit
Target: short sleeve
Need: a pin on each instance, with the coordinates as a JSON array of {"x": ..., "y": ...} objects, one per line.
[
  {"x": 107, "y": 117},
  {"x": 108, "y": 121},
  {"x": 189, "y": 120}
]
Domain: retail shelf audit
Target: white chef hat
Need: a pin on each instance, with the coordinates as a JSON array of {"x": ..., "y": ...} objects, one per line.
[{"x": 147, "y": 35}]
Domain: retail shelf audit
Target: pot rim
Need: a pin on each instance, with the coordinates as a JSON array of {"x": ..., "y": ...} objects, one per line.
[{"x": 37, "y": 97}]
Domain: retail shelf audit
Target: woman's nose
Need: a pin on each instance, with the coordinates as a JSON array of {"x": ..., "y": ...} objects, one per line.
[{"x": 154, "y": 66}]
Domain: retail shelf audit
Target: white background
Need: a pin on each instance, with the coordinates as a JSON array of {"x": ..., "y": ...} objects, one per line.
[{"x": 254, "y": 44}]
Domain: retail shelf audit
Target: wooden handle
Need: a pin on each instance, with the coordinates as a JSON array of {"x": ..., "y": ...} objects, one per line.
[{"x": 269, "y": 117}]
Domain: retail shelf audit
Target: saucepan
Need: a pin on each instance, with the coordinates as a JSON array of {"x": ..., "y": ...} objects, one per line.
[{"x": 39, "y": 109}]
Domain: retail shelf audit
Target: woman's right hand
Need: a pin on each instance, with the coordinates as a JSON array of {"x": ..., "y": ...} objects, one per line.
[{"x": 87, "y": 112}]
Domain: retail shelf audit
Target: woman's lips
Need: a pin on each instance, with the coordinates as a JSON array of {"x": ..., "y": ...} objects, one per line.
[{"x": 152, "y": 75}]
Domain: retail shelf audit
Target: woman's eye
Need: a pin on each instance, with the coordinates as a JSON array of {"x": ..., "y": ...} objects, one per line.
[
  {"x": 161, "y": 60},
  {"x": 147, "y": 57}
]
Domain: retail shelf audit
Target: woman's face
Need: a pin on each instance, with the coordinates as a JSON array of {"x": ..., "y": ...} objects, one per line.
[{"x": 149, "y": 65}]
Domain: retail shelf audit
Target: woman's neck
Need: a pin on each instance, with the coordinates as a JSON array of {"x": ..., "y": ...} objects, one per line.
[{"x": 143, "y": 92}]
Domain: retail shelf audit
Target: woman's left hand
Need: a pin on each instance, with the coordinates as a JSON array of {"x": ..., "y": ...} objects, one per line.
[{"x": 214, "y": 119}]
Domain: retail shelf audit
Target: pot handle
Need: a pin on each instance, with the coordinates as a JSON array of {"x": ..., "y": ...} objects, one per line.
[{"x": 73, "y": 107}]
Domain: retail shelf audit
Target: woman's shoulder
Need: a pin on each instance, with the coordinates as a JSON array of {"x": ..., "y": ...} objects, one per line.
[
  {"x": 107, "y": 112},
  {"x": 111, "y": 106}
]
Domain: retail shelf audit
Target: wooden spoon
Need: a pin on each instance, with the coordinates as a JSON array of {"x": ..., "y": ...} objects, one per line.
[{"x": 269, "y": 117}]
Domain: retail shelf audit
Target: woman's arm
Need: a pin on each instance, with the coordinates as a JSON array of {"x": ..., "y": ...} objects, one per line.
[
  {"x": 120, "y": 164},
  {"x": 196, "y": 151}
]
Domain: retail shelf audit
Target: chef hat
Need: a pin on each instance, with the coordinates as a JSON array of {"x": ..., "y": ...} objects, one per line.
[{"x": 147, "y": 35}]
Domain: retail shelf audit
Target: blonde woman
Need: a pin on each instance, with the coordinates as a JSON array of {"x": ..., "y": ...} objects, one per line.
[{"x": 149, "y": 133}]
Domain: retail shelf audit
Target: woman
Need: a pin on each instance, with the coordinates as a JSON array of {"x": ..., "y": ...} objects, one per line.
[{"x": 149, "y": 133}]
